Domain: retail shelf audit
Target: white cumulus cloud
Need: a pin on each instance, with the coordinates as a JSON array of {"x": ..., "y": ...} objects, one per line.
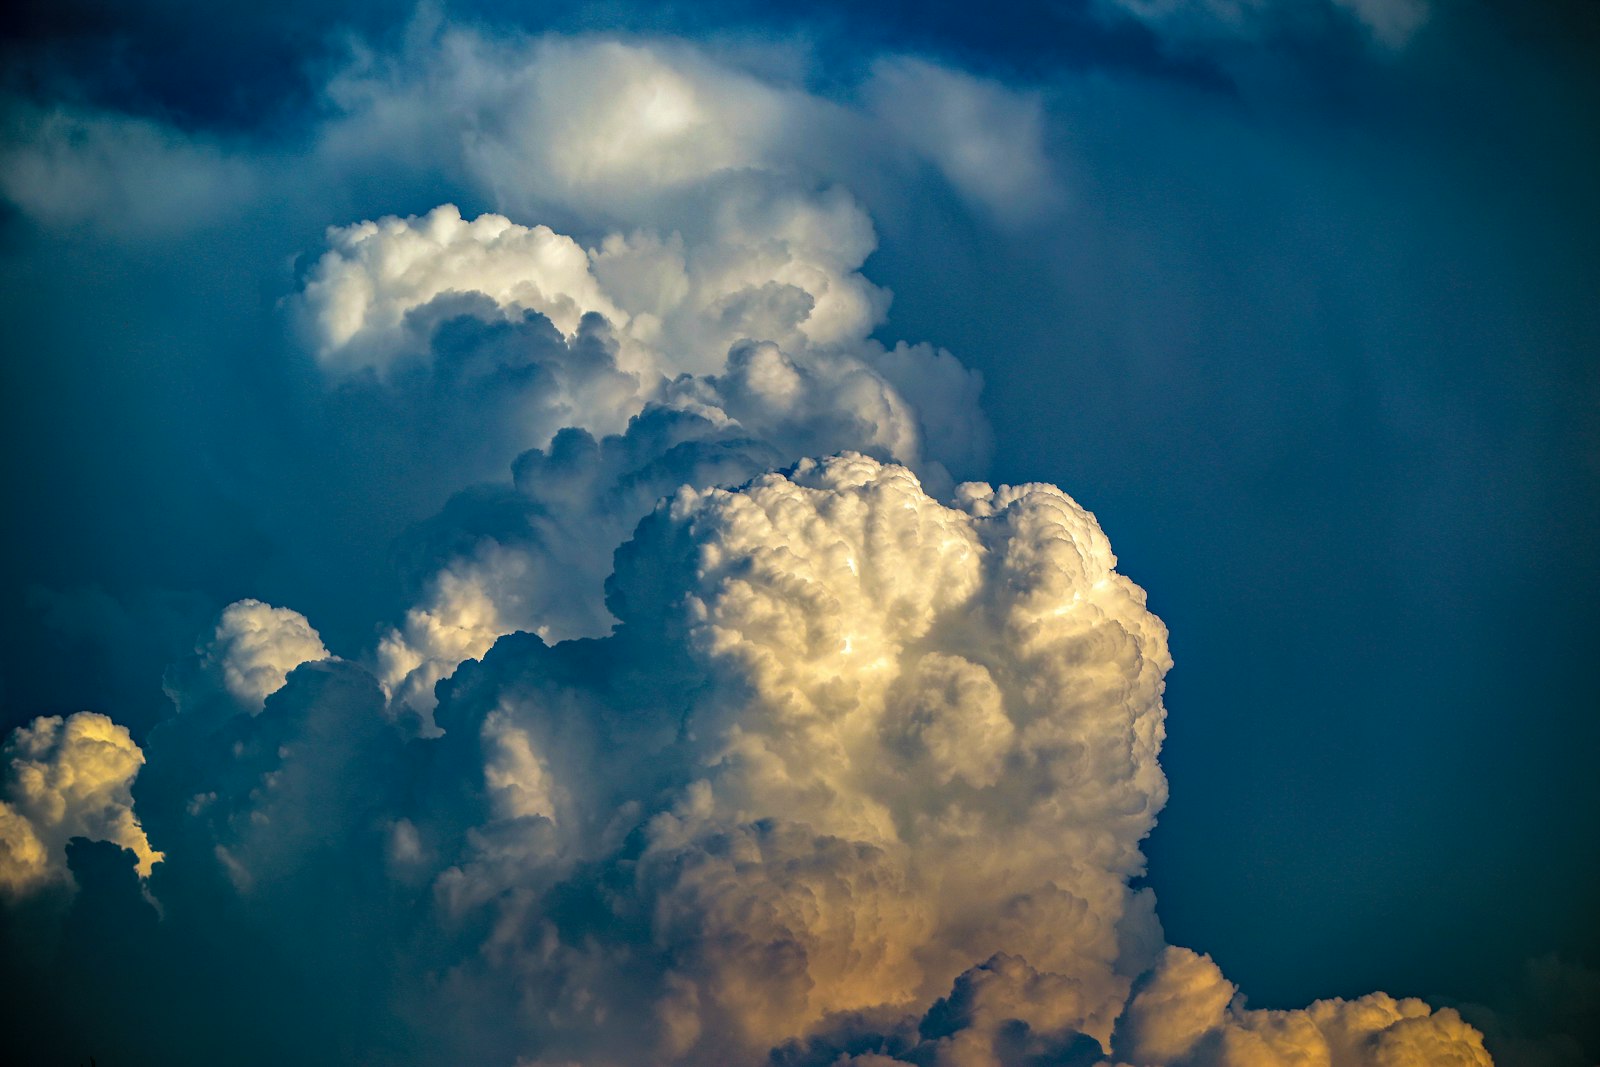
[
  {"x": 64, "y": 778},
  {"x": 256, "y": 645},
  {"x": 702, "y": 363}
]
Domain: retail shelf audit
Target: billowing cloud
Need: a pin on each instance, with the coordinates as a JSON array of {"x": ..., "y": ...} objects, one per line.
[
  {"x": 691, "y": 363},
  {"x": 1186, "y": 1013},
  {"x": 255, "y": 646},
  {"x": 725, "y": 722},
  {"x": 845, "y": 742},
  {"x": 376, "y": 274},
  {"x": 858, "y": 774},
  {"x": 64, "y": 778}
]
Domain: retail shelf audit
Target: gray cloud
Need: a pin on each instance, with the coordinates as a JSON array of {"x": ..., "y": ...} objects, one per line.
[{"x": 1388, "y": 24}]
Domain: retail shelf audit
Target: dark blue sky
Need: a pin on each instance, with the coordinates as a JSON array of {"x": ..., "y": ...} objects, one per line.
[{"x": 1313, "y": 329}]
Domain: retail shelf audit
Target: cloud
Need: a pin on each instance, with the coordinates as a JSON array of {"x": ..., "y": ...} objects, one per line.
[
  {"x": 1392, "y": 23},
  {"x": 691, "y": 363},
  {"x": 272, "y": 794},
  {"x": 604, "y": 122},
  {"x": 825, "y": 592},
  {"x": 1388, "y": 24},
  {"x": 845, "y": 744},
  {"x": 775, "y": 265},
  {"x": 70, "y": 167},
  {"x": 64, "y": 778},
  {"x": 375, "y": 274},
  {"x": 724, "y": 722},
  {"x": 255, "y": 646},
  {"x": 737, "y": 341},
  {"x": 845, "y": 741},
  {"x": 1186, "y": 1014},
  {"x": 985, "y": 138},
  {"x": 1548, "y": 1017},
  {"x": 1183, "y": 1000},
  {"x": 619, "y": 130}
]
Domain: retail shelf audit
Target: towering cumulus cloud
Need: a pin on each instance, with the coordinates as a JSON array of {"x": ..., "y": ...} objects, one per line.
[
  {"x": 733, "y": 727},
  {"x": 644, "y": 363},
  {"x": 835, "y": 753}
]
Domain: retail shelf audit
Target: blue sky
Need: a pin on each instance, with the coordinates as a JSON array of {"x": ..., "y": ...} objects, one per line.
[{"x": 1299, "y": 300}]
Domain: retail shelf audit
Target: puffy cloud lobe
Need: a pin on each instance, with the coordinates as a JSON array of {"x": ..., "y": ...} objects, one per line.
[
  {"x": 234, "y": 734},
  {"x": 999, "y": 1013},
  {"x": 65, "y": 778},
  {"x": 862, "y": 770},
  {"x": 461, "y": 620},
  {"x": 862, "y": 781},
  {"x": 860, "y": 777},
  {"x": 1183, "y": 999},
  {"x": 375, "y": 275},
  {"x": 254, "y": 648},
  {"x": 1005, "y": 1010},
  {"x": 773, "y": 264},
  {"x": 1186, "y": 1014}
]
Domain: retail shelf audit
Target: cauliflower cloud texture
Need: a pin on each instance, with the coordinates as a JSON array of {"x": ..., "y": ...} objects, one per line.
[{"x": 733, "y": 726}]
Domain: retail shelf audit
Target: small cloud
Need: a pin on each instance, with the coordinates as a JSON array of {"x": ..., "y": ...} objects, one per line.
[
  {"x": 65, "y": 168},
  {"x": 256, "y": 645}
]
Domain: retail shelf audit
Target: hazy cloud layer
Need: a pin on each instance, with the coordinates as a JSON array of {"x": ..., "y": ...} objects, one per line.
[{"x": 1388, "y": 24}]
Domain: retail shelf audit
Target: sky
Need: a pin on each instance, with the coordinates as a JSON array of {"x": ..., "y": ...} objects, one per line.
[{"x": 870, "y": 533}]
